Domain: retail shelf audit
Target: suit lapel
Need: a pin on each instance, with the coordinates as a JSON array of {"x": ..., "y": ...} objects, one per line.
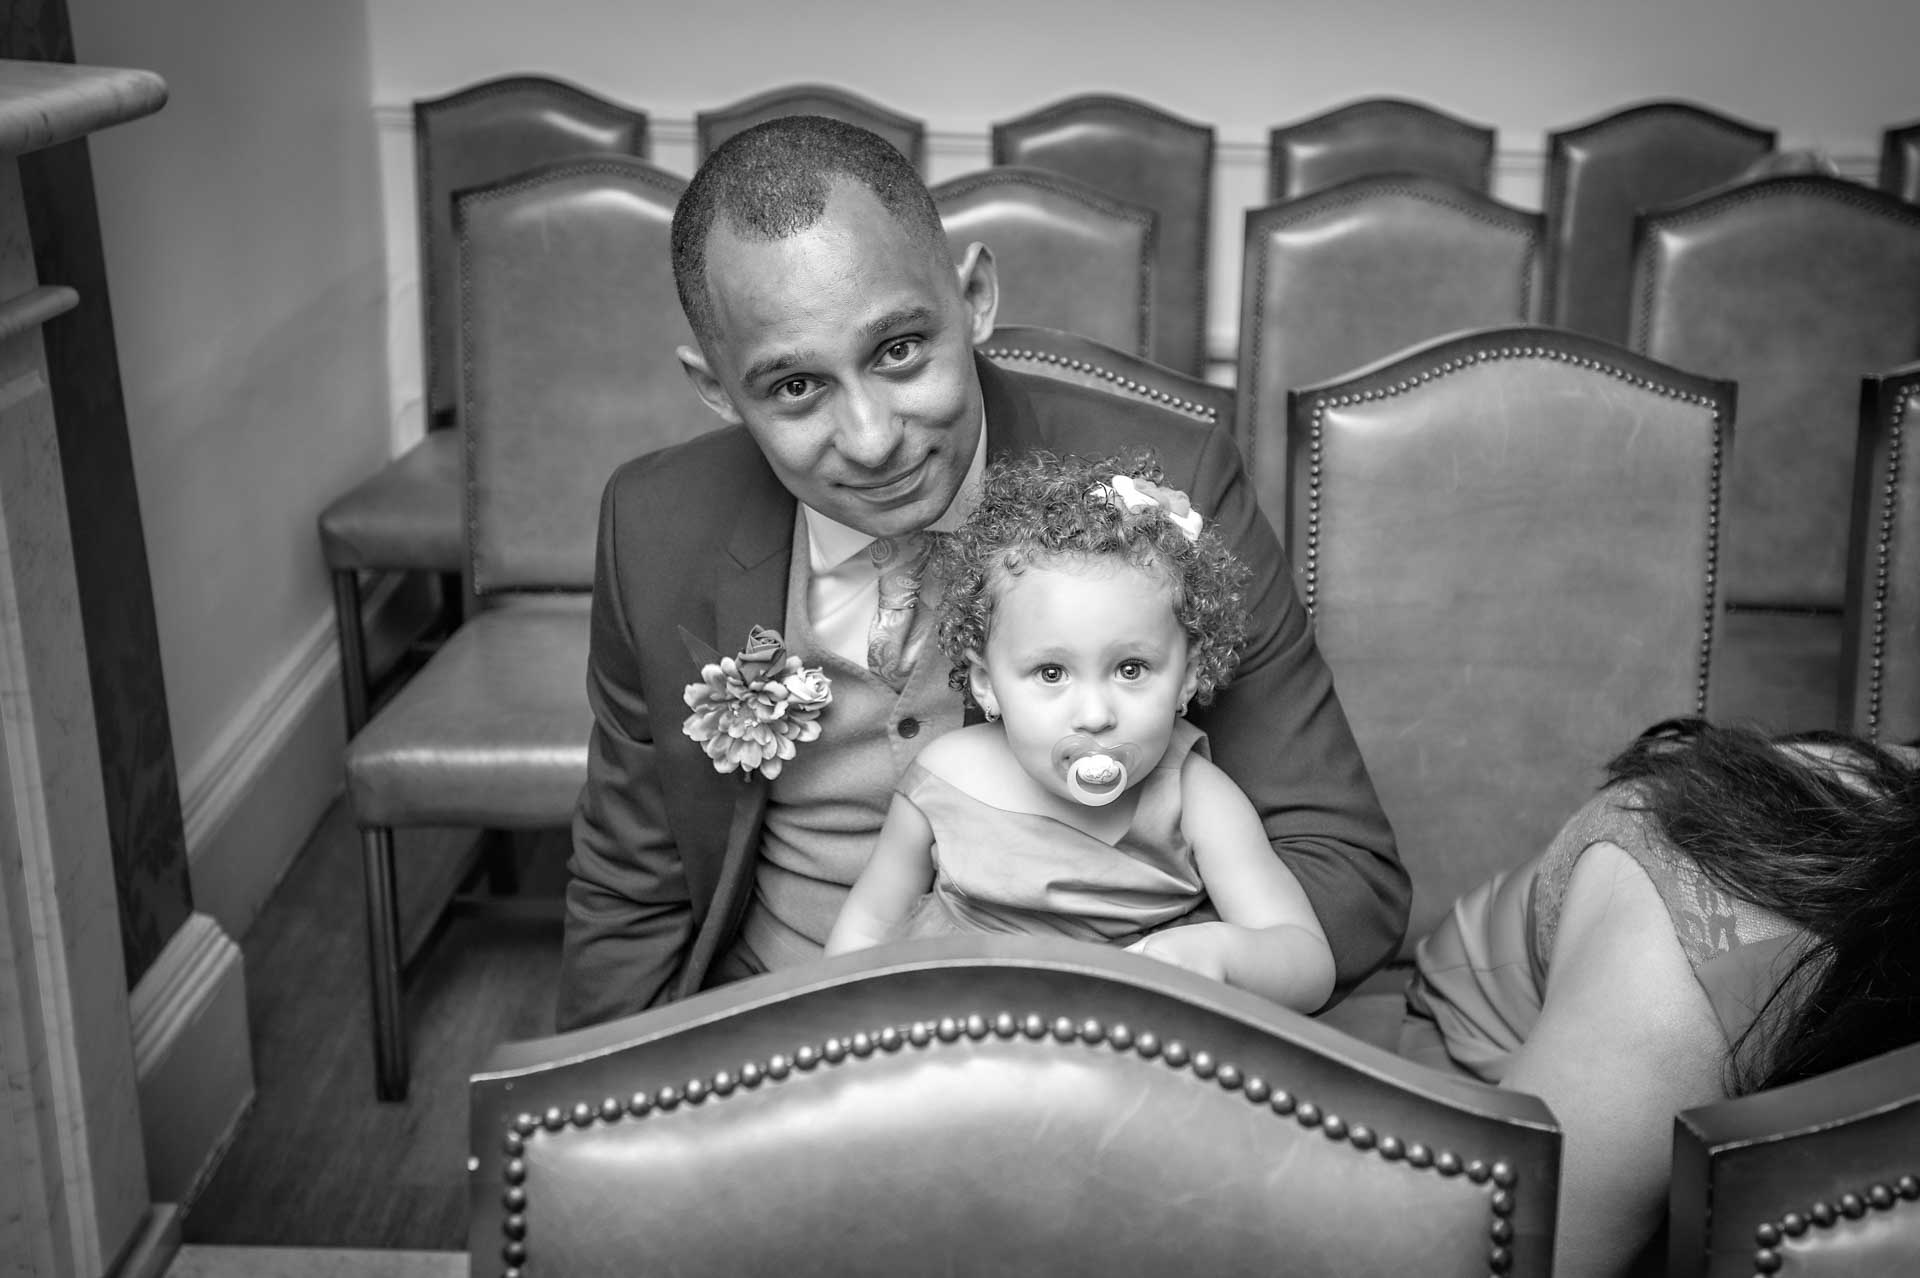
[{"x": 750, "y": 589}]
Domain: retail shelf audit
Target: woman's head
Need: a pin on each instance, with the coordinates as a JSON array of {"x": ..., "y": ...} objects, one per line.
[
  {"x": 1824, "y": 831},
  {"x": 1075, "y": 606}
]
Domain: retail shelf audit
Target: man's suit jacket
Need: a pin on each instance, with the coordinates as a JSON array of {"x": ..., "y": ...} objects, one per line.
[{"x": 700, "y": 535}]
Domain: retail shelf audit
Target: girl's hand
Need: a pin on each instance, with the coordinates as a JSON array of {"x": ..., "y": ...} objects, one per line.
[{"x": 1196, "y": 947}]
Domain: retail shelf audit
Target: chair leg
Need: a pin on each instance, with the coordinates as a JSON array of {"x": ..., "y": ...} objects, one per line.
[
  {"x": 353, "y": 648},
  {"x": 383, "y": 955},
  {"x": 503, "y": 866}
]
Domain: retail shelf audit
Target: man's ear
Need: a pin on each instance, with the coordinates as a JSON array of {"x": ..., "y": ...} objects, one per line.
[
  {"x": 709, "y": 387},
  {"x": 980, "y": 287},
  {"x": 980, "y": 683}
]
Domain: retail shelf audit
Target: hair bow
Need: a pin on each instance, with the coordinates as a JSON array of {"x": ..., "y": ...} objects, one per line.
[{"x": 1139, "y": 494}]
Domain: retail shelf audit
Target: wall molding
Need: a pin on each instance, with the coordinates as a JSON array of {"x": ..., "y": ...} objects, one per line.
[
  {"x": 191, "y": 1055},
  {"x": 254, "y": 798}
]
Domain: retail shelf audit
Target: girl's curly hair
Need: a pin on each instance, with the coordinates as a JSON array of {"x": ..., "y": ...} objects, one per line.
[{"x": 1043, "y": 507}]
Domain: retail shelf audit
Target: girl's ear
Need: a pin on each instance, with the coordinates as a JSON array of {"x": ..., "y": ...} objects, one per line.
[
  {"x": 1189, "y": 685},
  {"x": 980, "y": 683}
]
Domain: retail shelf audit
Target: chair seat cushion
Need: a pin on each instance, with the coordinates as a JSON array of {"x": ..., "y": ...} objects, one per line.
[
  {"x": 405, "y": 515},
  {"x": 491, "y": 732}
]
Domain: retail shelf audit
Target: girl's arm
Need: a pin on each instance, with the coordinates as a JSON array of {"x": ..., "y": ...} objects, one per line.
[
  {"x": 899, "y": 872},
  {"x": 1269, "y": 940}
]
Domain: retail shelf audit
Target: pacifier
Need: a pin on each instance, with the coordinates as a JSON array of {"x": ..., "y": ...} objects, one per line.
[{"x": 1095, "y": 774}]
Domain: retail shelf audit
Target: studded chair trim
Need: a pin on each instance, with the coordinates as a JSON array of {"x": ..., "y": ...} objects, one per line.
[
  {"x": 1448, "y": 356},
  {"x": 424, "y": 111},
  {"x": 1261, "y": 223},
  {"x": 1768, "y": 1182},
  {"x": 895, "y": 126},
  {"x": 1021, "y": 178},
  {"x": 1005, "y": 133},
  {"x": 565, "y": 1088},
  {"x": 1890, "y": 402},
  {"x": 1278, "y": 139},
  {"x": 1026, "y": 347}
]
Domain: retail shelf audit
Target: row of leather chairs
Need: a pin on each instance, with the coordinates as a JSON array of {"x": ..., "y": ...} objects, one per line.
[{"x": 1388, "y": 265}]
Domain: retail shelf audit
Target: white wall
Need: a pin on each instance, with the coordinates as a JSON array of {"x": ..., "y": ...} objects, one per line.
[{"x": 245, "y": 261}]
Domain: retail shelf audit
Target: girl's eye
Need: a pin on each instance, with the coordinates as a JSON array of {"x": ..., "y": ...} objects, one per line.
[
  {"x": 1131, "y": 670},
  {"x": 1050, "y": 674}
]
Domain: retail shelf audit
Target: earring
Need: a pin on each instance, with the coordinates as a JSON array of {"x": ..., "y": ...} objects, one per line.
[
  {"x": 1183, "y": 709},
  {"x": 991, "y": 711}
]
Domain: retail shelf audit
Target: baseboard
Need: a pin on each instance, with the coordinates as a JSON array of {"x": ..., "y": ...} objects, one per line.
[
  {"x": 191, "y": 1055},
  {"x": 253, "y": 800},
  {"x": 151, "y": 1252}
]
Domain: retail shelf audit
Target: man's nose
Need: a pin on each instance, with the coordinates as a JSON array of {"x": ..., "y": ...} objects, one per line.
[{"x": 869, "y": 430}]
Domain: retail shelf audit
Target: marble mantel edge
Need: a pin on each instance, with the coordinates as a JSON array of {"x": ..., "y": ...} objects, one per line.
[{"x": 44, "y": 103}]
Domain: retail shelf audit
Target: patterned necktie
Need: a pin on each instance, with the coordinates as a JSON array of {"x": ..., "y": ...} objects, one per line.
[{"x": 899, "y": 560}]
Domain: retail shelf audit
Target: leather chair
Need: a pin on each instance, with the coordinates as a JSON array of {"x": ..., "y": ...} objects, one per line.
[
  {"x": 1507, "y": 540},
  {"x": 1360, "y": 271},
  {"x": 1880, "y": 649},
  {"x": 1069, "y": 357},
  {"x": 569, "y": 323},
  {"x": 1142, "y": 155},
  {"x": 1374, "y": 136},
  {"x": 1796, "y": 288},
  {"x": 995, "y": 1105},
  {"x": 407, "y": 516},
  {"x": 1601, "y": 173},
  {"x": 908, "y": 134},
  {"x": 1070, "y": 257},
  {"x": 1820, "y": 1178},
  {"x": 1900, "y": 161}
]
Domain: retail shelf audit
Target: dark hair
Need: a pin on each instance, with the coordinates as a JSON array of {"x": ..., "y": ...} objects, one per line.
[
  {"x": 1043, "y": 507},
  {"x": 1829, "y": 844},
  {"x": 772, "y": 181}
]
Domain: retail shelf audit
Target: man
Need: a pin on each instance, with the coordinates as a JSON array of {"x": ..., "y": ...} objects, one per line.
[{"x": 835, "y": 338}]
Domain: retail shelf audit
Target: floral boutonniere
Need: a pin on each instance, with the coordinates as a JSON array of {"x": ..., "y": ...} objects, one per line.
[{"x": 752, "y": 709}]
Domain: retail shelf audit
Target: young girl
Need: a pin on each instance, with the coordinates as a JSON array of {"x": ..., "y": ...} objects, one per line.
[{"x": 1085, "y": 608}]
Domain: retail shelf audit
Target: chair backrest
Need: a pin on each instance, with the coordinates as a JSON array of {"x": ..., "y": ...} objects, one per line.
[
  {"x": 1507, "y": 542},
  {"x": 1140, "y": 154},
  {"x": 908, "y": 134},
  {"x": 1373, "y": 136},
  {"x": 482, "y": 134},
  {"x": 1602, "y": 173},
  {"x": 1880, "y": 665},
  {"x": 1363, "y": 270},
  {"x": 1796, "y": 288},
  {"x": 568, "y": 365},
  {"x": 1900, "y": 161},
  {"x": 993, "y": 1105},
  {"x": 1820, "y": 1178},
  {"x": 1070, "y": 256},
  {"x": 1069, "y": 357}
]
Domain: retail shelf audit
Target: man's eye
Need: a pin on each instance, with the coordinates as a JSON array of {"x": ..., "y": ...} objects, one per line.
[
  {"x": 900, "y": 351},
  {"x": 1050, "y": 674},
  {"x": 793, "y": 388},
  {"x": 1132, "y": 670}
]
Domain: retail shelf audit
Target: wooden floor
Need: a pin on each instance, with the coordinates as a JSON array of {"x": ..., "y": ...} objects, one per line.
[{"x": 318, "y": 1162}]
